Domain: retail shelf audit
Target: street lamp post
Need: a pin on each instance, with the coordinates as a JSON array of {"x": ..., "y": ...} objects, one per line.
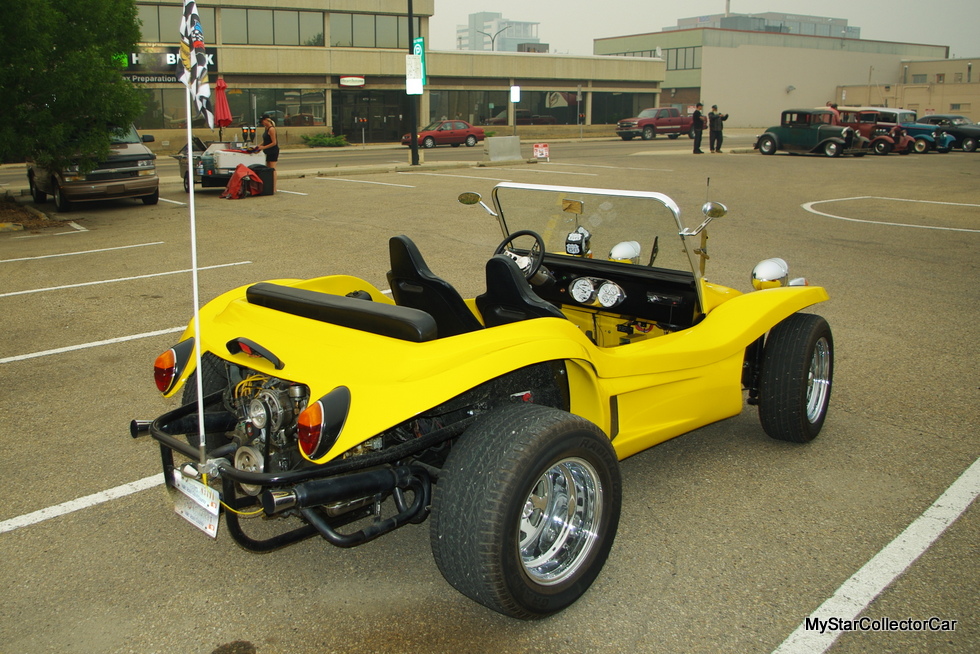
[{"x": 494, "y": 37}]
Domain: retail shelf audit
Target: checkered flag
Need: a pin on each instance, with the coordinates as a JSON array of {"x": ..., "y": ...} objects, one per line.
[{"x": 192, "y": 70}]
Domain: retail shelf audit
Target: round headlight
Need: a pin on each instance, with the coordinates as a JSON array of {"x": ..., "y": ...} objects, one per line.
[{"x": 771, "y": 273}]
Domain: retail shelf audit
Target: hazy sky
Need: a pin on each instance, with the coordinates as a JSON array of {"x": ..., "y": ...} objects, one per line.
[{"x": 569, "y": 26}]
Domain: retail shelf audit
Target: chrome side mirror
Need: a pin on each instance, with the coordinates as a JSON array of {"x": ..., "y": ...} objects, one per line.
[
  {"x": 471, "y": 198},
  {"x": 714, "y": 210}
]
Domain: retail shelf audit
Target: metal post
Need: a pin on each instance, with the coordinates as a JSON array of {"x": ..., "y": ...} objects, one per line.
[{"x": 413, "y": 111}]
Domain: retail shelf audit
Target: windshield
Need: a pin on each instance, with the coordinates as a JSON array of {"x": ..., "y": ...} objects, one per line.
[
  {"x": 431, "y": 127},
  {"x": 603, "y": 223},
  {"x": 124, "y": 135}
]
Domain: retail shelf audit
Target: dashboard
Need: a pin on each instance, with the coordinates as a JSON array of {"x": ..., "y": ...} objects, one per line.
[{"x": 667, "y": 298}]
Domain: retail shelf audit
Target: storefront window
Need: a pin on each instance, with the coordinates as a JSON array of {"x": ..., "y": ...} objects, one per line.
[
  {"x": 608, "y": 108},
  {"x": 166, "y": 108}
]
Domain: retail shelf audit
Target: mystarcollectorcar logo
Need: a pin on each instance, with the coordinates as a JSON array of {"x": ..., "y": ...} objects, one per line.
[{"x": 824, "y": 625}]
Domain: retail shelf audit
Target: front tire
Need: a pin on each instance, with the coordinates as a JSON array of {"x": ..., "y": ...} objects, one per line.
[
  {"x": 831, "y": 149},
  {"x": 767, "y": 145},
  {"x": 526, "y": 509},
  {"x": 153, "y": 198},
  {"x": 428, "y": 142},
  {"x": 796, "y": 379},
  {"x": 882, "y": 147},
  {"x": 61, "y": 203},
  {"x": 969, "y": 144},
  {"x": 649, "y": 133},
  {"x": 921, "y": 146}
]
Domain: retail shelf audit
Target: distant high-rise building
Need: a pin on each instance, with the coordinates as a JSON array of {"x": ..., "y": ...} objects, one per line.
[{"x": 490, "y": 31}]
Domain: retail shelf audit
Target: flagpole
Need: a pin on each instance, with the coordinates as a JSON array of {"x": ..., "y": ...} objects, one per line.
[{"x": 196, "y": 291}]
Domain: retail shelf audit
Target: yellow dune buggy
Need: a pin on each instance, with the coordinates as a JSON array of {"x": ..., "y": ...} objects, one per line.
[{"x": 335, "y": 408}]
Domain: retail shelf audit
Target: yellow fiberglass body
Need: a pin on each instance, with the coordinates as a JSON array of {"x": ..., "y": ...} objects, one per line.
[{"x": 638, "y": 393}]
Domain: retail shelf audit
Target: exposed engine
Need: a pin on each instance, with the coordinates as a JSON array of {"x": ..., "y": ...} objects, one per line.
[{"x": 266, "y": 409}]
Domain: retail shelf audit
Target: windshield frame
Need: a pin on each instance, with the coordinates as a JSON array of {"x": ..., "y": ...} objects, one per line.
[{"x": 658, "y": 198}]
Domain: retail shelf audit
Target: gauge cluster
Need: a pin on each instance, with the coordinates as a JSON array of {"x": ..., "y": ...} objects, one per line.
[{"x": 594, "y": 291}]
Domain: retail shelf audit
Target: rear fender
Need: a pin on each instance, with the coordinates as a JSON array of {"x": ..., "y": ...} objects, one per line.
[{"x": 209, "y": 313}]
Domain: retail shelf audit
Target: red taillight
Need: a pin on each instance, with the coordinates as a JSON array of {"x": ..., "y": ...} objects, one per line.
[
  {"x": 310, "y": 429},
  {"x": 165, "y": 370}
]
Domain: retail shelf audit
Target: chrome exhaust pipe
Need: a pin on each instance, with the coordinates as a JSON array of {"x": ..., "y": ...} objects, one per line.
[{"x": 139, "y": 428}]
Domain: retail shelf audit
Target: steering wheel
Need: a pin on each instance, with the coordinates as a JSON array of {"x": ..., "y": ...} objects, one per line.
[{"x": 530, "y": 263}]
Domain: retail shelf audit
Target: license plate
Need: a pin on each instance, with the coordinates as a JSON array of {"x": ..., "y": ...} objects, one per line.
[{"x": 197, "y": 503}]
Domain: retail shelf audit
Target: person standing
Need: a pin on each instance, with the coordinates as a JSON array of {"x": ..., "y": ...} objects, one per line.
[
  {"x": 270, "y": 145},
  {"x": 716, "y": 123},
  {"x": 698, "y": 127}
]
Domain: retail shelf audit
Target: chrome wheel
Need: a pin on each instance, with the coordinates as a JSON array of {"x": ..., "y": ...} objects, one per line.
[
  {"x": 818, "y": 382},
  {"x": 559, "y": 524}
]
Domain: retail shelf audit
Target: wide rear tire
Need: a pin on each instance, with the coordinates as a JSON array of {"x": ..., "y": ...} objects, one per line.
[
  {"x": 526, "y": 509},
  {"x": 796, "y": 379}
]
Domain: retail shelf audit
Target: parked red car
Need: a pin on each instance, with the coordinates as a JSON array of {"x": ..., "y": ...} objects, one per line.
[
  {"x": 885, "y": 136},
  {"x": 447, "y": 132}
]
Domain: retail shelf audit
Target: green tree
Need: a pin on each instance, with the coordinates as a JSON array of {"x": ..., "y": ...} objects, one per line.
[{"x": 61, "y": 80}]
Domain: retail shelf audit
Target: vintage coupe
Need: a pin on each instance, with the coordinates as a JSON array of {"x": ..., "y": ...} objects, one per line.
[
  {"x": 333, "y": 409},
  {"x": 965, "y": 134},
  {"x": 811, "y": 131}
]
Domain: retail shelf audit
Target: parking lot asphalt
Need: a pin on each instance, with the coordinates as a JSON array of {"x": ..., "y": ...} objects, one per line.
[{"x": 728, "y": 540}]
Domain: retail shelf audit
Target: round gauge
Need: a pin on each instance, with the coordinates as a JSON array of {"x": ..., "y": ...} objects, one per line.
[
  {"x": 610, "y": 294},
  {"x": 582, "y": 290}
]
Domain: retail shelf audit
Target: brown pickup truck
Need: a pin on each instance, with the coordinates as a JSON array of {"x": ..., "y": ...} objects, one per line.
[
  {"x": 523, "y": 117},
  {"x": 657, "y": 120}
]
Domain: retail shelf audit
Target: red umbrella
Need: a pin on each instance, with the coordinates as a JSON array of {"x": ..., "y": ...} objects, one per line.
[{"x": 222, "y": 113}]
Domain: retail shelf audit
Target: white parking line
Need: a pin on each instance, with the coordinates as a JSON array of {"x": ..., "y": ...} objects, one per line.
[
  {"x": 291, "y": 192},
  {"x": 490, "y": 179},
  {"x": 71, "y": 254},
  {"x": 558, "y": 163},
  {"x": 362, "y": 181},
  {"x": 81, "y": 503},
  {"x": 183, "y": 204},
  {"x": 85, "y": 346},
  {"x": 120, "y": 279},
  {"x": 809, "y": 207},
  {"x": 887, "y": 565},
  {"x": 557, "y": 172}
]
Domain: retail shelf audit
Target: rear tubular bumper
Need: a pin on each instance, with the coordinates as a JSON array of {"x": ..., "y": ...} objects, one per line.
[{"x": 303, "y": 492}]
